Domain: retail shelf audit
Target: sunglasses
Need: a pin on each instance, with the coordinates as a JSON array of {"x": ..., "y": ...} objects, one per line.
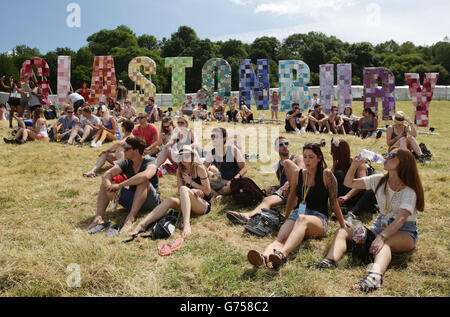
[
  {"x": 390, "y": 156},
  {"x": 399, "y": 119},
  {"x": 283, "y": 144},
  {"x": 69, "y": 111},
  {"x": 166, "y": 126},
  {"x": 126, "y": 148},
  {"x": 310, "y": 145},
  {"x": 181, "y": 122},
  {"x": 141, "y": 118}
]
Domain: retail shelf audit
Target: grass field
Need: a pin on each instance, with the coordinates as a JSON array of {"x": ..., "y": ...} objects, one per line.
[{"x": 46, "y": 206}]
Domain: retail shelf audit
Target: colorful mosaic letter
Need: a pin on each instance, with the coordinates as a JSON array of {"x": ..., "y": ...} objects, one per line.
[
  {"x": 42, "y": 70},
  {"x": 178, "y": 65},
  {"x": 103, "y": 79},
  {"x": 344, "y": 78},
  {"x": 422, "y": 95},
  {"x": 372, "y": 93},
  {"x": 250, "y": 83},
  {"x": 327, "y": 87},
  {"x": 291, "y": 90},
  {"x": 64, "y": 63},
  {"x": 223, "y": 79},
  {"x": 134, "y": 72}
]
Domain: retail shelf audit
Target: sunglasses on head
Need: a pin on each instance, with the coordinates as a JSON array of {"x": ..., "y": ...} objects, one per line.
[
  {"x": 390, "y": 156},
  {"x": 126, "y": 147},
  {"x": 283, "y": 144},
  {"x": 310, "y": 145}
]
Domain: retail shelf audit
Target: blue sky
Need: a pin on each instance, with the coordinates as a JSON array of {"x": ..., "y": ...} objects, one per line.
[{"x": 44, "y": 25}]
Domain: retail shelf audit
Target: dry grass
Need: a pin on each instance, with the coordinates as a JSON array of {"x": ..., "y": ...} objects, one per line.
[{"x": 45, "y": 207}]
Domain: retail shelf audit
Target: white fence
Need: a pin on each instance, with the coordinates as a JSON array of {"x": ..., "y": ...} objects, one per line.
[{"x": 400, "y": 93}]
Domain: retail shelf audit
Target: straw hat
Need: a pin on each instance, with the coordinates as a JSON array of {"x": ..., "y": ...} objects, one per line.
[{"x": 399, "y": 117}]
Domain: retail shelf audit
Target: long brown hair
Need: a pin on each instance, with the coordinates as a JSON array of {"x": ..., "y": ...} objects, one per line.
[
  {"x": 37, "y": 114},
  {"x": 193, "y": 168},
  {"x": 322, "y": 165},
  {"x": 409, "y": 174},
  {"x": 341, "y": 156}
]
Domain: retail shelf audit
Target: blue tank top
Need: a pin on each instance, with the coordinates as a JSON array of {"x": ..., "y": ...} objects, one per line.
[
  {"x": 110, "y": 125},
  {"x": 281, "y": 173}
]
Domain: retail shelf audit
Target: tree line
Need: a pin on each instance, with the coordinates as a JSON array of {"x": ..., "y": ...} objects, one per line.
[{"x": 314, "y": 49}]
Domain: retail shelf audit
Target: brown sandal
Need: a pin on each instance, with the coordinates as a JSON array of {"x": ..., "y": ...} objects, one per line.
[
  {"x": 277, "y": 258},
  {"x": 257, "y": 259}
]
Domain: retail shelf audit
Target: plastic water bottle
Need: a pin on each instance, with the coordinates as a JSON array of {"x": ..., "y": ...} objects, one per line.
[
  {"x": 359, "y": 232},
  {"x": 372, "y": 156}
]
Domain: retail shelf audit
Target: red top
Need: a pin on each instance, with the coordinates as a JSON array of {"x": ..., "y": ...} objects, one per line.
[{"x": 148, "y": 134}]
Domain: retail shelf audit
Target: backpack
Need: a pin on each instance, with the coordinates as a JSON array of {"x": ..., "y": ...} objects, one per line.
[
  {"x": 245, "y": 192},
  {"x": 426, "y": 152},
  {"x": 265, "y": 223},
  {"x": 165, "y": 227}
]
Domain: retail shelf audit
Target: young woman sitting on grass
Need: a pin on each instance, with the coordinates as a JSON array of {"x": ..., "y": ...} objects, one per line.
[
  {"x": 399, "y": 195},
  {"x": 37, "y": 132},
  {"x": 310, "y": 190},
  {"x": 115, "y": 153},
  {"x": 194, "y": 191},
  {"x": 109, "y": 129}
]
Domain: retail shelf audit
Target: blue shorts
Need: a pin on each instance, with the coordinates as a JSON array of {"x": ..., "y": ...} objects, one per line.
[
  {"x": 294, "y": 216},
  {"x": 279, "y": 194},
  {"x": 410, "y": 227},
  {"x": 126, "y": 197}
]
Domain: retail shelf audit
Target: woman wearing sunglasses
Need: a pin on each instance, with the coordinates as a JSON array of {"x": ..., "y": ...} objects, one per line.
[
  {"x": 399, "y": 194},
  {"x": 306, "y": 208},
  {"x": 400, "y": 135},
  {"x": 194, "y": 193}
]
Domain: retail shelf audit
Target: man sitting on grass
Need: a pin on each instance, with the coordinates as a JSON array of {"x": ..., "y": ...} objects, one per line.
[{"x": 142, "y": 178}]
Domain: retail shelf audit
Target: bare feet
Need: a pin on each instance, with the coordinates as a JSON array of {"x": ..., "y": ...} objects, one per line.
[
  {"x": 126, "y": 226},
  {"x": 89, "y": 174},
  {"x": 187, "y": 231},
  {"x": 136, "y": 230}
]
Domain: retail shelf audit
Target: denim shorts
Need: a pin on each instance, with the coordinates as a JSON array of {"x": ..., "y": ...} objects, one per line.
[
  {"x": 410, "y": 227},
  {"x": 294, "y": 216},
  {"x": 126, "y": 197},
  {"x": 279, "y": 194}
]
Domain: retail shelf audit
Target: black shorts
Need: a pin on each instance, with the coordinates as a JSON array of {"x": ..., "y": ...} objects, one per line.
[{"x": 14, "y": 102}]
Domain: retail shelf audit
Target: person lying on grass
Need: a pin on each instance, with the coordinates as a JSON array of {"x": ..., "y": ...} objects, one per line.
[
  {"x": 278, "y": 197},
  {"x": 311, "y": 189},
  {"x": 115, "y": 153},
  {"x": 399, "y": 195},
  {"x": 142, "y": 179},
  {"x": 194, "y": 191}
]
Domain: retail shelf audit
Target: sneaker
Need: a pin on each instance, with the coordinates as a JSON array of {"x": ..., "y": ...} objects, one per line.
[
  {"x": 92, "y": 144},
  {"x": 379, "y": 133},
  {"x": 303, "y": 130},
  {"x": 98, "y": 144},
  {"x": 80, "y": 144},
  {"x": 348, "y": 219},
  {"x": 297, "y": 131},
  {"x": 317, "y": 132},
  {"x": 330, "y": 133},
  {"x": 7, "y": 141}
]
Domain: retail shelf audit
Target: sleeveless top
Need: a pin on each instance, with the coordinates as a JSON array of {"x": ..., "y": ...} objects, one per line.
[
  {"x": 317, "y": 197},
  {"x": 14, "y": 93},
  {"x": 197, "y": 180},
  {"x": 110, "y": 126},
  {"x": 228, "y": 170},
  {"x": 34, "y": 101},
  {"x": 281, "y": 173},
  {"x": 394, "y": 135},
  {"x": 43, "y": 132},
  {"x": 367, "y": 125}
]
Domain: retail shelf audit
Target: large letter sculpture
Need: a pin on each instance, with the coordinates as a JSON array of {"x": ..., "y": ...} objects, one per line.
[
  {"x": 103, "y": 79},
  {"x": 421, "y": 95},
  {"x": 372, "y": 93},
  {"x": 257, "y": 84},
  {"x": 326, "y": 87},
  {"x": 42, "y": 70},
  {"x": 64, "y": 73},
  {"x": 223, "y": 79},
  {"x": 291, "y": 90},
  {"x": 344, "y": 78},
  {"x": 134, "y": 72},
  {"x": 178, "y": 65}
]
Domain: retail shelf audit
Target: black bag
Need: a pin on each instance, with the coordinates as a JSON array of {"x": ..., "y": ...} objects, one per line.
[
  {"x": 165, "y": 227},
  {"x": 265, "y": 223},
  {"x": 245, "y": 192},
  {"x": 361, "y": 251},
  {"x": 426, "y": 152}
]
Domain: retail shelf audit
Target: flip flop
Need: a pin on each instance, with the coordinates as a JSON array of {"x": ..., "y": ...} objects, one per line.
[
  {"x": 100, "y": 227},
  {"x": 113, "y": 231},
  {"x": 236, "y": 218},
  {"x": 176, "y": 244},
  {"x": 256, "y": 258},
  {"x": 163, "y": 249},
  {"x": 88, "y": 175}
]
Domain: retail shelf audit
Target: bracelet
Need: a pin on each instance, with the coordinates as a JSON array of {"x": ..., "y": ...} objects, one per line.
[{"x": 382, "y": 236}]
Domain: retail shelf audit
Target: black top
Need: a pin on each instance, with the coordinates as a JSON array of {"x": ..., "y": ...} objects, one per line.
[
  {"x": 317, "y": 197},
  {"x": 298, "y": 116},
  {"x": 232, "y": 115},
  {"x": 198, "y": 180},
  {"x": 281, "y": 173},
  {"x": 227, "y": 164},
  {"x": 126, "y": 166}
]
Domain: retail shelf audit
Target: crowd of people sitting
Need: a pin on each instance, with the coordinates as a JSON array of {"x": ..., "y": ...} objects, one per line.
[{"x": 309, "y": 191}]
